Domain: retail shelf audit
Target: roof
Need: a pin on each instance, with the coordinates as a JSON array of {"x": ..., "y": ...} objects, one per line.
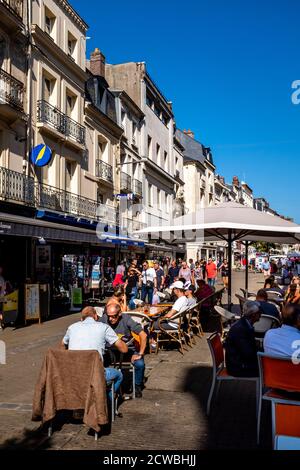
[{"x": 193, "y": 150}]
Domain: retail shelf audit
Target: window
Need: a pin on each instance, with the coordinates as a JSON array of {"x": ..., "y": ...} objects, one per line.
[
  {"x": 123, "y": 119},
  {"x": 49, "y": 23},
  {"x": 70, "y": 104},
  {"x": 165, "y": 119},
  {"x": 71, "y": 45},
  {"x": 149, "y": 146},
  {"x": 157, "y": 111},
  {"x": 48, "y": 86},
  {"x": 134, "y": 140},
  {"x": 166, "y": 161},
  {"x": 158, "y": 153},
  {"x": 100, "y": 197},
  {"x": 149, "y": 101},
  {"x": 70, "y": 171},
  {"x": 150, "y": 195}
]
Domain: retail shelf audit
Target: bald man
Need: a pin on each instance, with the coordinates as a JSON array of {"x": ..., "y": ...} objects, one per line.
[{"x": 89, "y": 334}]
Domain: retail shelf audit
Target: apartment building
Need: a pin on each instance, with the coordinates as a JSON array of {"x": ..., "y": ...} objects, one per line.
[
  {"x": 13, "y": 103},
  {"x": 199, "y": 186},
  {"x": 156, "y": 141}
]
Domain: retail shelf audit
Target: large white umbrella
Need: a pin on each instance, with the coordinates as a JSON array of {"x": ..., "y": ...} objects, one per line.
[{"x": 229, "y": 222}]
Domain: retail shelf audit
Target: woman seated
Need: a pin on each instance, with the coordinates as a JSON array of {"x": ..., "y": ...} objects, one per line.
[
  {"x": 119, "y": 297},
  {"x": 292, "y": 295}
]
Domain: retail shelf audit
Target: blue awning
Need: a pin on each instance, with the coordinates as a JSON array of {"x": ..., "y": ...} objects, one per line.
[{"x": 123, "y": 241}]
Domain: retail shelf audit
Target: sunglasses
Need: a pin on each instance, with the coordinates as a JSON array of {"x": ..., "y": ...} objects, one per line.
[{"x": 113, "y": 316}]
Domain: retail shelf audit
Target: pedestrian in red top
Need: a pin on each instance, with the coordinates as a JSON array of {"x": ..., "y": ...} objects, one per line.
[{"x": 211, "y": 272}]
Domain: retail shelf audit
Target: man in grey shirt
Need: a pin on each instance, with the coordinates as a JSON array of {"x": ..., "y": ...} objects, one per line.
[{"x": 89, "y": 334}]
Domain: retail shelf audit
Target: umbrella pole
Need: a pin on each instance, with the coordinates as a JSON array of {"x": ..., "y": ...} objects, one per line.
[
  {"x": 247, "y": 268},
  {"x": 229, "y": 267}
]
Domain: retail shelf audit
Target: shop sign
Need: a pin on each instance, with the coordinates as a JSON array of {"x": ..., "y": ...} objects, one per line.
[
  {"x": 96, "y": 274},
  {"x": 4, "y": 227},
  {"x": 41, "y": 155}
]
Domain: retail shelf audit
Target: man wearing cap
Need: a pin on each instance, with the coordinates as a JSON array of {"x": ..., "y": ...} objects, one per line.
[{"x": 180, "y": 305}]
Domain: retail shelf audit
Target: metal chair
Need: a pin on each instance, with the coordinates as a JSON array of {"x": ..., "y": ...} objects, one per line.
[
  {"x": 265, "y": 323},
  {"x": 219, "y": 370},
  {"x": 247, "y": 294},
  {"x": 227, "y": 318}
]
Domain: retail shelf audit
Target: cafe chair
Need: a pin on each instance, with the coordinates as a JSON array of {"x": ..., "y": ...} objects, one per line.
[
  {"x": 279, "y": 377},
  {"x": 220, "y": 373},
  {"x": 286, "y": 426},
  {"x": 227, "y": 319},
  {"x": 265, "y": 323},
  {"x": 72, "y": 380},
  {"x": 166, "y": 334}
]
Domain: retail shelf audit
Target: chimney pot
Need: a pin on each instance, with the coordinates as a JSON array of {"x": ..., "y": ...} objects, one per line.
[{"x": 97, "y": 63}]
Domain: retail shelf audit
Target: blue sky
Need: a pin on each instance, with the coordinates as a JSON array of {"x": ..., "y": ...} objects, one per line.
[{"x": 228, "y": 67}]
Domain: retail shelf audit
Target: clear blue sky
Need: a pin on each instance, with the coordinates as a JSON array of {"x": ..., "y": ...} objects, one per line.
[{"x": 228, "y": 67}]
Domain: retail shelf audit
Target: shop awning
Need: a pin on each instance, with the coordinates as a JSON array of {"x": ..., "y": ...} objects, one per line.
[
  {"x": 123, "y": 241},
  {"x": 28, "y": 227}
]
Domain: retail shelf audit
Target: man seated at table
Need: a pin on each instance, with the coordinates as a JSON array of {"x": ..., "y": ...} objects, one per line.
[
  {"x": 240, "y": 344},
  {"x": 180, "y": 305},
  {"x": 267, "y": 308},
  {"x": 284, "y": 341},
  {"x": 89, "y": 334},
  {"x": 124, "y": 326}
]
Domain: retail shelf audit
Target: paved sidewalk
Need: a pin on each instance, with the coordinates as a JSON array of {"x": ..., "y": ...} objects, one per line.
[{"x": 171, "y": 414}]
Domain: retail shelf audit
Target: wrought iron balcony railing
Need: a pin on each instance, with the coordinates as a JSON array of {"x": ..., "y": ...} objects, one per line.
[
  {"x": 104, "y": 171},
  {"x": 15, "y": 6},
  {"x": 61, "y": 122},
  {"x": 131, "y": 225},
  {"x": 16, "y": 187},
  {"x": 125, "y": 182},
  {"x": 49, "y": 197},
  {"x": 137, "y": 187},
  {"x": 11, "y": 91}
]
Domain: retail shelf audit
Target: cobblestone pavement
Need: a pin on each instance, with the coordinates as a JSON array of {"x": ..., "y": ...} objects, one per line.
[{"x": 171, "y": 414}]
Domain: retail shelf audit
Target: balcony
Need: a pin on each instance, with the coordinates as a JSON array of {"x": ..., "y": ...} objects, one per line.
[
  {"x": 11, "y": 91},
  {"x": 16, "y": 187},
  {"x": 104, "y": 171},
  {"x": 137, "y": 187},
  {"x": 14, "y": 6},
  {"x": 49, "y": 197},
  {"x": 53, "y": 117},
  {"x": 125, "y": 182}
]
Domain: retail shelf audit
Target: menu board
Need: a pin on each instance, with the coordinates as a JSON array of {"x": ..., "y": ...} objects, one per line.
[{"x": 32, "y": 302}]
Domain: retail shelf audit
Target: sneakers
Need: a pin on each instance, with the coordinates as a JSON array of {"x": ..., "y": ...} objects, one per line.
[{"x": 138, "y": 391}]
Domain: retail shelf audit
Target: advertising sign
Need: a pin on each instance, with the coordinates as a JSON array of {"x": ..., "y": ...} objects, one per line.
[{"x": 41, "y": 155}]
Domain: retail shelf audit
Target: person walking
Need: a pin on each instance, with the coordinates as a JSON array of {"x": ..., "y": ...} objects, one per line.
[
  {"x": 149, "y": 282},
  {"x": 211, "y": 272},
  {"x": 224, "y": 269},
  {"x": 185, "y": 272}
]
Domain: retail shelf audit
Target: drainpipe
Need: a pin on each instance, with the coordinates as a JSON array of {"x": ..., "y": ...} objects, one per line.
[{"x": 29, "y": 90}]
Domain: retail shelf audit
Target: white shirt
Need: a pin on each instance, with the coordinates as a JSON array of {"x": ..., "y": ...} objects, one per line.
[
  {"x": 149, "y": 275},
  {"x": 89, "y": 334},
  {"x": 180, "y": 306},
  {"x": 282, "y": 341}
]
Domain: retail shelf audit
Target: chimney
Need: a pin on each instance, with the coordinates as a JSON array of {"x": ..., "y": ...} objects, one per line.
[
  {"x": 189, "y": 133},
  {"x": 235, "y": 181},
  {"x": 97, "y": 63}
]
